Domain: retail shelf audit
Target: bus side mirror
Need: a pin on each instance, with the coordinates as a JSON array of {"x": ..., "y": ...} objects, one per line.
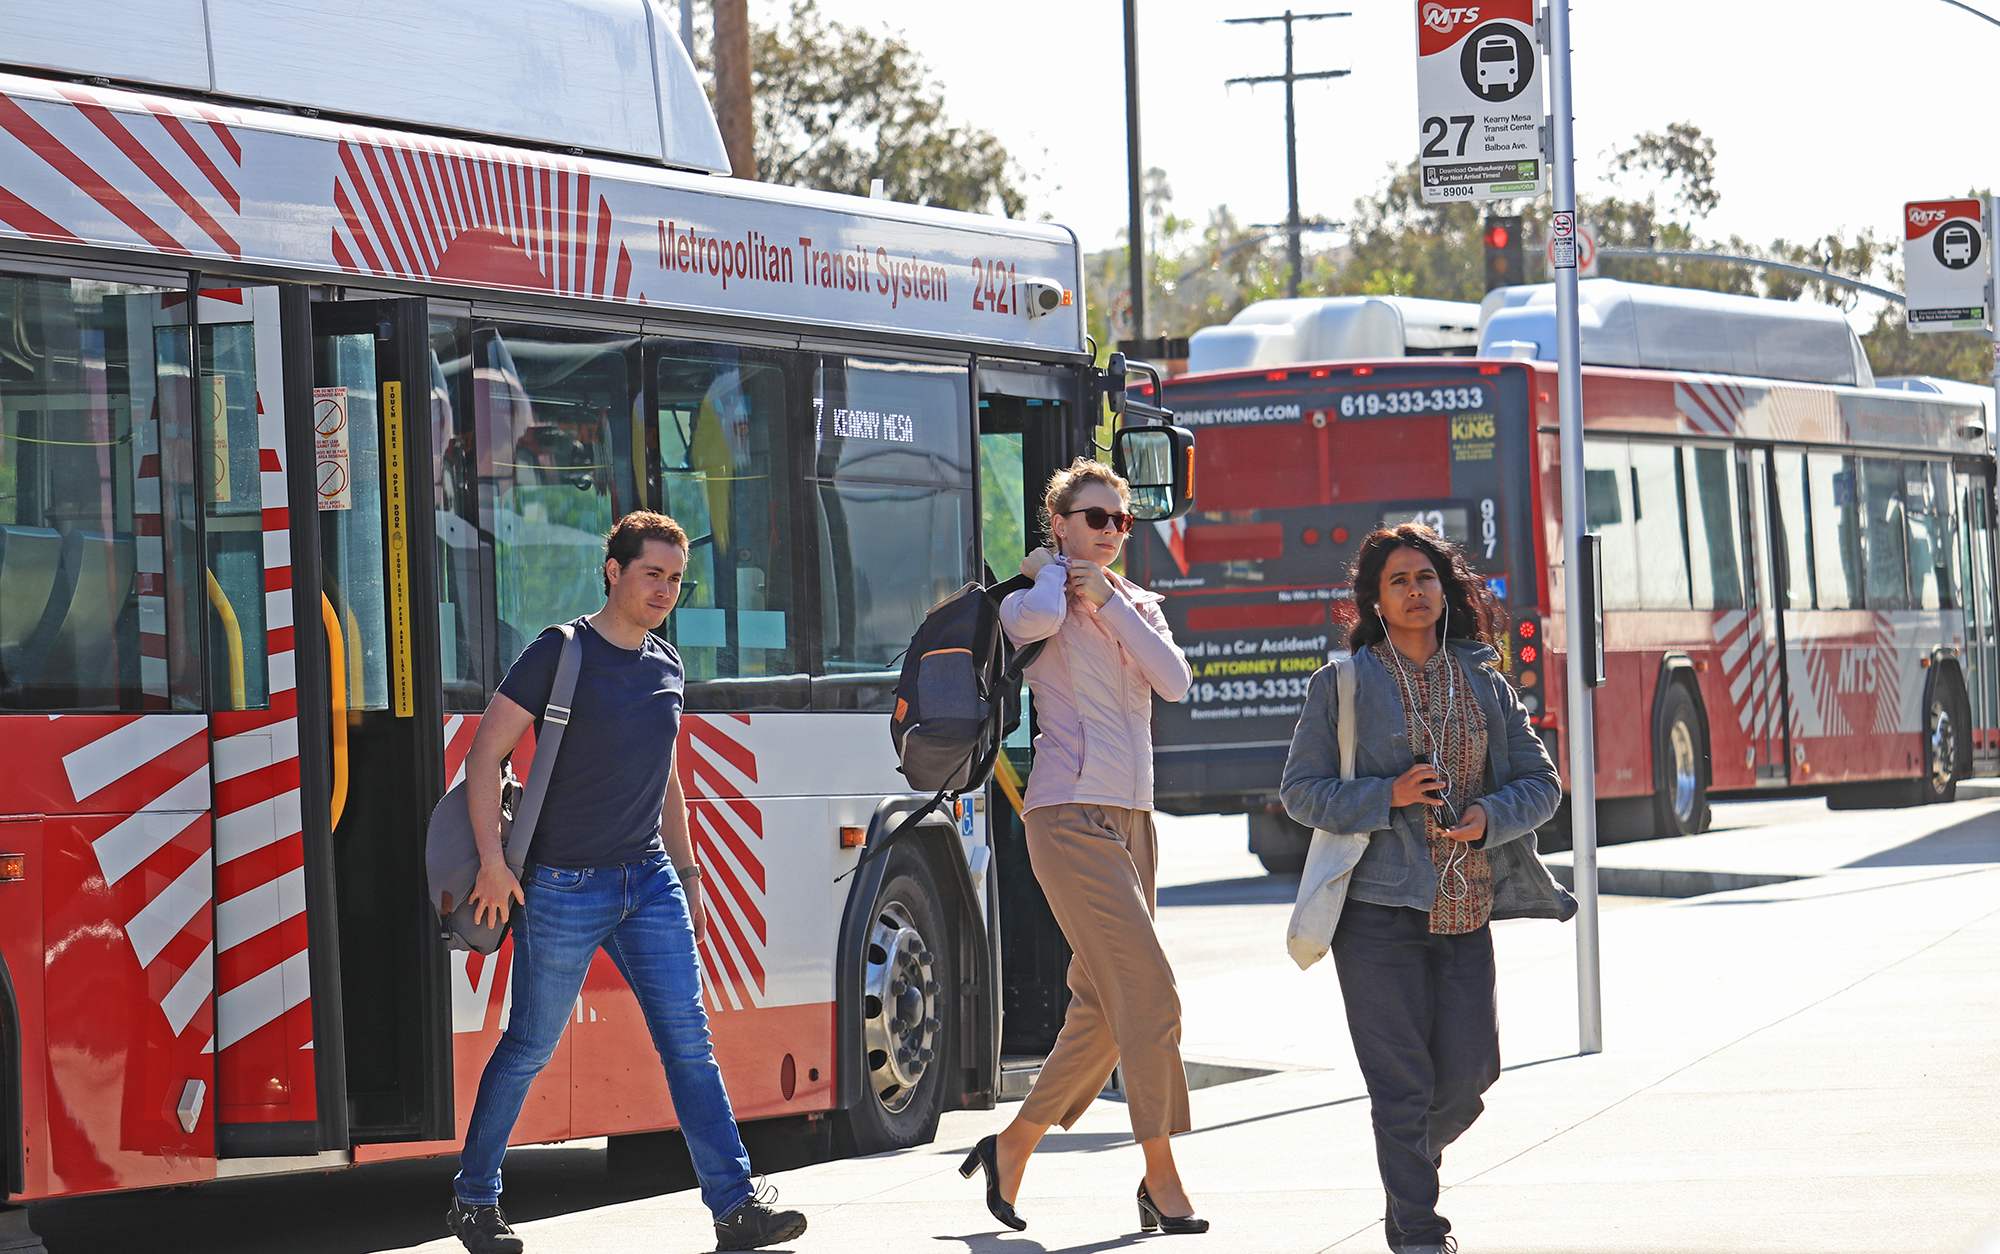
[{"x": 1158, "y": 461}]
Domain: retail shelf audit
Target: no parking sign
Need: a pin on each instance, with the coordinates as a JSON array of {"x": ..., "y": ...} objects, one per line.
[{"x": 1479, "y": 101}]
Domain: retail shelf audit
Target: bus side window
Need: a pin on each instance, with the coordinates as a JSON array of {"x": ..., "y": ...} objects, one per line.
[
  {"x": 1607, "y": 488},
  {"x": 1658, "y": 529},
  {"x": 1794, "y": 542},
  {"x": 1836, "y": 534},
  {"x": 97, "y": 449},
  {"x": 1714, "y": 560},
  {"x": 553, "y": 408},
  {"x": 1883, "y": 538},
  {"x": 721, "y": 423},
  {"x": 1926, "y": 504},
  {"x": 892, "y": 484}
]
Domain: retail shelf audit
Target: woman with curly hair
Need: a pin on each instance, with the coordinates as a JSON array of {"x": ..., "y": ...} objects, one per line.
[{"x": 1450, "y": 783}]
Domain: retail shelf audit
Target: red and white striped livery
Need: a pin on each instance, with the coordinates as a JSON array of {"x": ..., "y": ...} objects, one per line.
[{"x": 319, "y": 387}]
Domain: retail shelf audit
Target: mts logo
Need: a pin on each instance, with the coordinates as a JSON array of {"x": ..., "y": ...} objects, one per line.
[
  {"x": 1927, "y": 217},
  {"x": 1444, "y": 18},
  {"x": 1857, "y": 672}
]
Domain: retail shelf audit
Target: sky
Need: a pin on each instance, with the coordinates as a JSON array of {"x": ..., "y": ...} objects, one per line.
[{"x": 1826, "y": 113}]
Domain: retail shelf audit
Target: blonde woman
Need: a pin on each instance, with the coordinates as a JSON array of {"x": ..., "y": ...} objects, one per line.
[{"x": 1089, "y": 816}]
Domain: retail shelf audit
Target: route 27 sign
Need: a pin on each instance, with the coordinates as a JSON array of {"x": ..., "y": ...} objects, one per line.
[
  {"x": 1945, "y": 264},
  {"x": 1479, "y": 100}
]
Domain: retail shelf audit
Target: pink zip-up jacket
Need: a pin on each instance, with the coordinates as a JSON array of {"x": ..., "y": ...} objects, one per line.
[{"x": 1093, "y": 687}]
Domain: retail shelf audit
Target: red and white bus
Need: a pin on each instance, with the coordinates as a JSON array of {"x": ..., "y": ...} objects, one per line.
[
  {"x": 1799, "y": 575},
  {"x": 320, "y": 380}
]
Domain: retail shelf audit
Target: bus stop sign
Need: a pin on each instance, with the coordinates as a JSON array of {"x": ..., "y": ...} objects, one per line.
[
  {"x": 1479, "y": 101},
  {"x": 1946, "y": 261}
]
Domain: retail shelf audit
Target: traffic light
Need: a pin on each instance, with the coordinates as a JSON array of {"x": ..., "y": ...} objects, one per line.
[{"x": 1505, "y": 263}]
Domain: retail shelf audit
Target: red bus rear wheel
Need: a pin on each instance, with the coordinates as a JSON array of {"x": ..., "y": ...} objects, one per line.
[{"x": 1680, "y": 765}]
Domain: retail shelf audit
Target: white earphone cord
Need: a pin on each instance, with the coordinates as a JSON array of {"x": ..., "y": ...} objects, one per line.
[{"x": 1453, "y": 873}]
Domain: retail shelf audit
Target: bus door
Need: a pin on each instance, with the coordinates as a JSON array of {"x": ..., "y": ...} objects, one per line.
[
  {"x": 372, "y": 534},
  {"x": 1031, "y": 422},
  {"x": 1753, "y": 649},
  {"x": 1982, "y": 641}
]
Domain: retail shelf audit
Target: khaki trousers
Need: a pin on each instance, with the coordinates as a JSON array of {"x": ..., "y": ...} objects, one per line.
[{"x": 1096, "y": 866}]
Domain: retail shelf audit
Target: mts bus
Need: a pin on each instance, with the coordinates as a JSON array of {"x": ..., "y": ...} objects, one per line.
[
  {"x": 311, "y": 416},
  {"x": 1798, "y": 566}
]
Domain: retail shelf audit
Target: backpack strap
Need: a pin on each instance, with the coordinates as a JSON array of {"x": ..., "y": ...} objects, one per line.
[{"x": 555, "y": 718}]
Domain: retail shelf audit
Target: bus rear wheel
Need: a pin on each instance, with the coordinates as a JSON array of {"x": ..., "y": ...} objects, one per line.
[
  {"x": 907, "y": 1027},
  {"x": 1941, "y": 745},
  {"x": 1680, "y": 766}
]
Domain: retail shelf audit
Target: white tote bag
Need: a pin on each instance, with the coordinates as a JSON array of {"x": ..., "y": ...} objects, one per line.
[{"x": 1330, "y": 860}]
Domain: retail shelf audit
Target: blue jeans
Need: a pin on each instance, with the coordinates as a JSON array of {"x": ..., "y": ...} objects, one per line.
[{"x": 639, "y": 915}]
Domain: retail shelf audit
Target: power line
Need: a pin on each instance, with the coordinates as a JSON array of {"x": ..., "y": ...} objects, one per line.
[
  {"x": 1980, "y": 14},
  {"x": 1289, "y": 78}
]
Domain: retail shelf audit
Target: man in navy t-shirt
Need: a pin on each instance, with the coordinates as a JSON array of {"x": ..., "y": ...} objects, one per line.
[{"x": 610, "y": 866}]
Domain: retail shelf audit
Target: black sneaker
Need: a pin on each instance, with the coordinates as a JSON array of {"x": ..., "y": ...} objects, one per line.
[
  {"x": 483, "y": 1229},
  {"x": 755, "y": 1224}
]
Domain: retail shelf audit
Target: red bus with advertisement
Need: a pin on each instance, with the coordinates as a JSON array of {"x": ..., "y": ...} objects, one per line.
[
  {"x": 310, "y": 418},
  {"x": 1798, "y": 573}
]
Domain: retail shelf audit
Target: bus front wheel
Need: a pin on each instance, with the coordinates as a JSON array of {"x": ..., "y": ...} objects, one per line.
[
  {"x": 1680, "y": 766},
  {"x": 907, "y": 1028}
]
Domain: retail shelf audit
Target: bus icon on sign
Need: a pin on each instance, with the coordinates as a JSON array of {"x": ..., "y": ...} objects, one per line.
[
  {"x": 1956, "y": 245},
  {"x": 1499, "y": 64}
]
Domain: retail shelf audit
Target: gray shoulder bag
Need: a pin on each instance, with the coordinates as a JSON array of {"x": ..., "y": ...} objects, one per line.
[{"x": 451, "y": 854}]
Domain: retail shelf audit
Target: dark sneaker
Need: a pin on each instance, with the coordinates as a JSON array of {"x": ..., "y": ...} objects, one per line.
[
  {"x": 756, "y": 1224},
  {"x": 482, "y": 1229}
]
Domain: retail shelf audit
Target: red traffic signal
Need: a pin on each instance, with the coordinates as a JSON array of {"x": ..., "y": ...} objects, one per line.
[{"x": 1505, "y": 264}]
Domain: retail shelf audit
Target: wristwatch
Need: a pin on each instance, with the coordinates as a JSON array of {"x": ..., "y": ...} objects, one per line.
[{"x": 692, "y": 871}]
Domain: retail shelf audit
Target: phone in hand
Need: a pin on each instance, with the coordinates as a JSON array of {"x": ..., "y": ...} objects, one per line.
[{"x": 1440, "y": 800}]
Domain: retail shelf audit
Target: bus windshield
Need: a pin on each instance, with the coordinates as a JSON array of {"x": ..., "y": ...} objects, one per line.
[{"x": 1293, "y": 468}]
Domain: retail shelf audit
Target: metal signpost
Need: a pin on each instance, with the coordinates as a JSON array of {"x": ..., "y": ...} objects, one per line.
[
  {"x": 1481, "y": 123},
  {"x": 1479, "y": 101},
  {"x": 1581, "y": 728}
]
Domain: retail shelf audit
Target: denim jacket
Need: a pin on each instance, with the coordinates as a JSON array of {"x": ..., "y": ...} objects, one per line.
[{"x": 1520, "y": 792}]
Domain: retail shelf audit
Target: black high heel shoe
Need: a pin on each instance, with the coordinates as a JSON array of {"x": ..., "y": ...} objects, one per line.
[
  {"x": 1151, "y": 1220},
  {"x": 982, "y": 1158}
]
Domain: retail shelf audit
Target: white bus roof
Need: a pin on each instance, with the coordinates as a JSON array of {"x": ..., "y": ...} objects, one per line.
[
  {"x": 606, "y": 76},
  {"x": 1332, "y": 328},
  {"x": 1652, "y": 327},
  {"x": 187, "y": 180}
]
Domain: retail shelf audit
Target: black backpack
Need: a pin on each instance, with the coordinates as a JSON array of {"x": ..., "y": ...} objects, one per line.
[{"x": 957, "y": 699}]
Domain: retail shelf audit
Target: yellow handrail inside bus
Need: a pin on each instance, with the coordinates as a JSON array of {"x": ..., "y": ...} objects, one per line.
[
  {"x": 1009, "y": 780},
  {"x": 336, "y": 670},
  {"x": 356, "y": 688},
  {"x": 232, "y": 635}
]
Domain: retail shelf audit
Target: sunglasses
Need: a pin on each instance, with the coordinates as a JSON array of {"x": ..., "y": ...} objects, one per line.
[{"x": 1097, "y": 519}]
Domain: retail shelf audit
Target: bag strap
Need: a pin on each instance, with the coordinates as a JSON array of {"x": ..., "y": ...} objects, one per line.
[
  {"x": 555, "y": 718},
  {"x": 1345, "y": 684},
  {"x": 908, "y": 822}
]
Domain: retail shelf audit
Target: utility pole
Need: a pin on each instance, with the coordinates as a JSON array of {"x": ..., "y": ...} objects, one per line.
[
  {"x": 1293, "y": 227},
  {"x": 687, "y": 27},
  {"x": 732, "y": 86},
  {"x": 1135, "y": 221}
]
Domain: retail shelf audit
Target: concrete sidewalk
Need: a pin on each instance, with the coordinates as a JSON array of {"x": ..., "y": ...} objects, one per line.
[{"x": 1809, "y": 1066}]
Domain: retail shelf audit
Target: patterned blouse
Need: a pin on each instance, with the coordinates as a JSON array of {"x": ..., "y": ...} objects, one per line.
[{"x": 1439, "y": 706}]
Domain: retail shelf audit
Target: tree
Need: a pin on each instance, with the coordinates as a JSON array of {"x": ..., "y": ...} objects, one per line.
[{"x": 838, "y": 106}]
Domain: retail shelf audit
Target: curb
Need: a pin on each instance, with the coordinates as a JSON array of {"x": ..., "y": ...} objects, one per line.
[{"x": 1626, "y": 881}]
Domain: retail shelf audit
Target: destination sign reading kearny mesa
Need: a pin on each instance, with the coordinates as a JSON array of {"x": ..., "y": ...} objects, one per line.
[{"x": 1479, "y": 100}]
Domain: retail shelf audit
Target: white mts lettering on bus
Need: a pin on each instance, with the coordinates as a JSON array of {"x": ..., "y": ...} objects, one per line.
[{"x": 1228, "y": 416}]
